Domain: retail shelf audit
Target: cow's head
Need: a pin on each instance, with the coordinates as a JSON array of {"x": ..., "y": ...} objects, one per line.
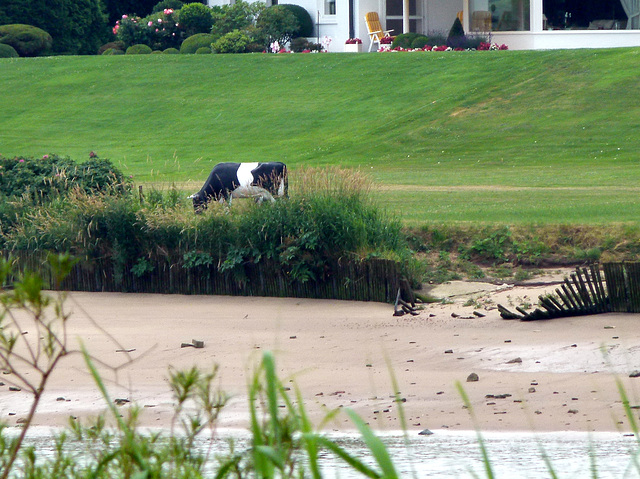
[{"x": 199, "y": 202}]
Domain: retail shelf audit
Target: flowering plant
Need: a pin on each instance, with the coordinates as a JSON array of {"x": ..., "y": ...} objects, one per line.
[
  {"x": 159, "y": 30},
  {"x": 492, "y": 46},
  {"x": 387, "y": 40},
  {"x": 326, "y": 41},
  {"x": 353, "y": 41}
]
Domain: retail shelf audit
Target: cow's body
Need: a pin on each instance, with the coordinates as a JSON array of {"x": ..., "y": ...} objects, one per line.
[{"x": 262, "y": 181}]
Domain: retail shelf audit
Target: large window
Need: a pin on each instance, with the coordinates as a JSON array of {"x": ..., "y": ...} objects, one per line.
[
  {"x": 394, "y": 16},
  {"x": 499, "y": 15},
  {"x": 590, "y": 14}
]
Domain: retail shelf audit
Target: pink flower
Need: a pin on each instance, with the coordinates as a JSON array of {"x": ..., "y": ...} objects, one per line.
[
  {"x": 168, "y": 11},
  {"x": 45, "y": 157},
  {"x": 125, "y": 16},
  {"x": 21, "y": 161},
  {"x": 159, "y": 20},
  {"x": 150, "y": 23}
]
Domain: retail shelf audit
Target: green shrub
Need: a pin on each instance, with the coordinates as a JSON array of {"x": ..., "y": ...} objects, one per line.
[
  {"x": 130, "y": 30},
  {"x": 203, "y": 51},
  {"x": 420, "y": 41},
  {"x": 164, "y": 4},
  {"x": 191, "y": 44},
  {"x": 139, "y": 49},
  {"x": 196, "y": 18},
  {"x": 27, "y": 40},
  {"x": 233, "y": 42},
  {"x": 156, "y": 52},
  {"x": 301, "y": 44},
  {"x": 117, "y": 45},
  {"x": 457, "y": 38},
  {"x": 7, "y": 51},
  {"x": 52, "y": 175},
  {"x": 305, "y": 23},
  {"x": 164, "y": 29},
  {"x": 239, "y": 16},
  {"x": 171, "y": 51},
  {"x": 404, "y": 40},
  {"x": 113, "y": 51},
  {"x": 277, "y": 23}
]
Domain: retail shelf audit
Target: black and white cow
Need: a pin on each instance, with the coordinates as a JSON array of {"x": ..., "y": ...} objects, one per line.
[{"x": 262, "y": 181}]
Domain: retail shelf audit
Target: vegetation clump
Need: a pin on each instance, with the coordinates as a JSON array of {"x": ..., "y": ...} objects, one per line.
[
  {"x": 199, "y": 40},
  {"x": 7, "y": 51},
  {"x": 27, "y": 40}
]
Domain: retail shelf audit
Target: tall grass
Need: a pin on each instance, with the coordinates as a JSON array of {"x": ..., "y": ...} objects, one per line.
[{"x": 331, "y": 215}]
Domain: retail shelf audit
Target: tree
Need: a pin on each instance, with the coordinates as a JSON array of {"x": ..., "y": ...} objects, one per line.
[
  {"x": 238, "y": 16},
  {"x": 277, "y": 24},
  {"x": 196, "y": 18},
  {"x": 76, "y": 26}
]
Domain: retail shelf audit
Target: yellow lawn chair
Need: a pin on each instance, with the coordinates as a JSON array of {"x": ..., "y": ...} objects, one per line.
[{"x": 374, "y": 28}]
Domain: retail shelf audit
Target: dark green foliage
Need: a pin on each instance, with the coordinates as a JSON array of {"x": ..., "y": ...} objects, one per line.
[
  {"x": 456, "y": 29},
  {"x": 76, "y": 26},
  {"x": 232, "y": 42},
  {"x": 27, "y": 40},
  {"x": 277, "y": 23},
  {"x": 421, "y": 41},
  {"x": 191, "y": 44},
  {"x": 305, "y": 24},
  {"x": 7, "y": 51},
  {"x": 458, "y": 39},
  {"x": 301, "y": 44},
  {"x": 164, "y": 29},
  {"x": 203, "y": 51},
  {"x": 239, "y": 16},
  {"x": 117, "y": 45},
  {"x": 164, "y": 4},
  {"x": 116, "y": 8},
  {"x": 54, "y": 174},
  {"x": 132, "y": 30},
  {"x": 404, "y": 40},
  {"x": 171, "y": 51},
  {"x": 113, "y": 51},
  {"x": 139, "y": 49},
  {"x": 196, "y": 18}
]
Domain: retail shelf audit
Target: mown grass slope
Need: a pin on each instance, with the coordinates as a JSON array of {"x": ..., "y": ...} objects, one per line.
[{"x": 500, "y": 137}]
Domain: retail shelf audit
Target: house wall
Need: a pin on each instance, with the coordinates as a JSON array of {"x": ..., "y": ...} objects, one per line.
[{"x": 568, "y": 39}]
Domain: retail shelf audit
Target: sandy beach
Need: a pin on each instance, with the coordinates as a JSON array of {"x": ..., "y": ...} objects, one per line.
[{"x": 557, "y": 375}]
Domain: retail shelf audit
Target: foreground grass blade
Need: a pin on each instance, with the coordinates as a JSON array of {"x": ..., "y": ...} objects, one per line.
[
  {"x": 354, "y": 462},
  {"x": 485, "y": 455},
  {"x": 375, "y": 445}
]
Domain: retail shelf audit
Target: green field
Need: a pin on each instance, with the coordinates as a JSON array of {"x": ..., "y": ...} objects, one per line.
[{"x": 495, "y": 137}]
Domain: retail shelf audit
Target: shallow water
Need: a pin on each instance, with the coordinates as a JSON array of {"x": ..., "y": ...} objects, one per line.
[{"x": 456, "y": 454}]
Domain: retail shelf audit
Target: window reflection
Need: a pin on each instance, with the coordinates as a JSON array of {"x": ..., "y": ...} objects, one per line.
[{"x": 499, "y": 15}]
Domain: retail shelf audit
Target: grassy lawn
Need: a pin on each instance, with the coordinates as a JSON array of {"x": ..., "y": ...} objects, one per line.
[{"x": 496, "y": 137}]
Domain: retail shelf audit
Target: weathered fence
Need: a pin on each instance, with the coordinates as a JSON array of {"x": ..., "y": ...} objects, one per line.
[
  {"x": 367, "y": 280},
  {"x": 585, "y": 292}
]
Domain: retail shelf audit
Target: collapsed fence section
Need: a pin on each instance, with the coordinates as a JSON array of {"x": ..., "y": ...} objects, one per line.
[
  {"x": 349, "y": 279},
  {"x": 586, "y": 292}
]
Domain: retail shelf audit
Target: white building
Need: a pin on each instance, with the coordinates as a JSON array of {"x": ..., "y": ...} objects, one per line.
[{"x": 520, "y": 24}]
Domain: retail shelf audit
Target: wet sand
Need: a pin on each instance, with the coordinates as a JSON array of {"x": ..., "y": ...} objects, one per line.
[{"x": 557, "y": 375}]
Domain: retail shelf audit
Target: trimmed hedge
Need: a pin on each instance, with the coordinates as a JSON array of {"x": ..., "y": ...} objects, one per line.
[
  {"x": 7, "y": 51},
  {"x": 305, "y": 22},
  {"x": 27, "y": 40},
  {"x": 203, "y": 51},
  {"x": 139, "y": 49},
  {"x": 191, "y": 44}
]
